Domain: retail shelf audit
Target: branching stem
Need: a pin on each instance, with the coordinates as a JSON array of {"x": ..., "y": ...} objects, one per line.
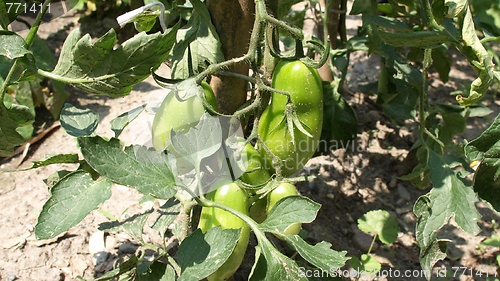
[{"x": 262, "y": 18}]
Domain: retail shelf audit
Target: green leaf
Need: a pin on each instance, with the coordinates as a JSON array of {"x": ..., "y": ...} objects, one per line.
[
  {"x": 157, "y": 271},
  {"x": 449, "y": 198},
  {"x": 290, "y": 210},
  {"x": 135, "y": 166},
  {"x": 361, "y": 6},
  {"x": 76, "y": 4},
  {"x": 44, "y": 57},
  {"x": 146, "y": 20},
  {"x": 122, "y": 121},
  {"x": 479, "y": 57},
  {"x": 367, "y": 264},
  {"x": 454, "y": 124},
  {"x": 199, "y": 142},
  {"x": 78, "y": 122},
  {"x": 54, "y": 178},
  {"x": 387, "y": 22},
  {"x": 201, "y": 254},
  {"x": 24, "y": 95},
  {"x": 419, "y": 39},
  {"x": 487, "y": 13},
  {"x": 72, "y": 199},
  {"x": 166, "y": 216},
  {"x": 26, "y": 92},
  {"x": 123, "y": 269},
  {"x": 9, "y": 11},
  {"x": 70, "y": 158},
  {"x": 12, "y": 122},
  {"x": 432, "y": 249},
  {"x": 197, "y": 44},
  {"x": 340, "y": 123},
  {"x": 486, "y": 144},
  {"x": 55, "y": 100},
  {"x": 100, "y": 68},
  {"x": 455, "y": 7},
  {"x": 442, "y": 63},
  {"x": 381, "y": 223},
  {"x": 271, "y": 265},
  {"x": 320, "y": 255},
  {"x": 12, "y": 45},
  {"x": 487, "y": 180},
  {"x": 486, "y": 148},
  {"x": 479, "y": 110},
  {"x": 419, "y": 176},
  {"x": 439, "y": 10},
  {"x": 133, "y": 225},
  {"x": 4, "y": 16},
  {"x": 24, "y": 71},
  {"x": 493, "y": 241},
  {"x": 284, "y": 7},
  {"x": 399, "y": 94}
]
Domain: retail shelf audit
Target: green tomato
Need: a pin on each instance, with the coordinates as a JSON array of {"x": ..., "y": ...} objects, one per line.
[
  {"x": 235, "y": 197},
  {"x": 256, "y": 174},
  {"x": 258, "y": 210},
  {"x": 207, "y": 220},
  {"x": 179, "y": 116},
  {"x": 306, "y": 94},
  {"x": 283, "y": 190}
]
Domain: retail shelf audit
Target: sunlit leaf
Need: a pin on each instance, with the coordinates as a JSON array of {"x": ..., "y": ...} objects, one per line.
[{"x": 72, "y": 199}]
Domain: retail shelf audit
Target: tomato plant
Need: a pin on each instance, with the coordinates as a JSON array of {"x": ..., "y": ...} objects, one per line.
[{"x": 410, "y": 37}]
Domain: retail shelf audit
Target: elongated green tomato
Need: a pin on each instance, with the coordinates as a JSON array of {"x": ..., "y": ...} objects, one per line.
[
  {"x": 177, "y": 115},
  {"x": 207, "y": 219},
  {"x": 256, "y": 174},
  {"x": 283, "y": 190},
  {"x": 258, "y": 210},
  {"x": 235, "y": 197},
  {"x": 306, "y": 94}
]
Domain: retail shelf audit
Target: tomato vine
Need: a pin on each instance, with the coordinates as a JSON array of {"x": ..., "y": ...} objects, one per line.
[{"x": 194, "y": 155}]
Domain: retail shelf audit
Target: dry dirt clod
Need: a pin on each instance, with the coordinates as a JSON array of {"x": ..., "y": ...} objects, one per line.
[
  {"x": 97, "y": 248},
  {"x": 11, "y": 277}
]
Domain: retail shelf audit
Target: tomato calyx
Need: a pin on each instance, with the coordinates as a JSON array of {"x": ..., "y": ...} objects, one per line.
[
  {"x": 272, "y": 35},
  {"x": 293, "y": 120},
  {"x": 323, "y": 49},
  {"x": 320, "y": 48}
]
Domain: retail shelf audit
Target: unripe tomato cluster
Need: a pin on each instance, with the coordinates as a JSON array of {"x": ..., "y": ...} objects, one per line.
[{"x": 290, "y": 128}]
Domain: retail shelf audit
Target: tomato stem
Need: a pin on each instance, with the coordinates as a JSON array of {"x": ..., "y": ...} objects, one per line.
[
  {"x": 251, "y": 223},
  {"x": 423, "y": 100},
  {"x": 429, "y": 15},
  {"x": 373, "y": 243},
  {"x": 262, "y": 17}
]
